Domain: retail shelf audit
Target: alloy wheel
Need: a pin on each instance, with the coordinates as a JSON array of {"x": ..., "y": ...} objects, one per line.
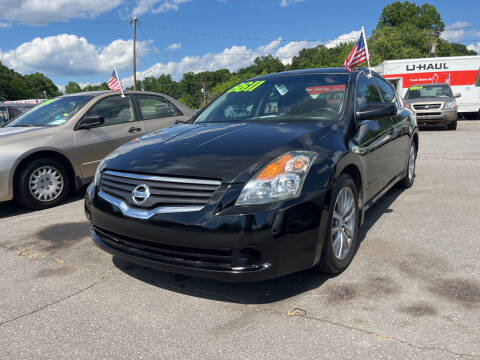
[
  {"x": 343, "y": 224},
  {"x": 411, "y": 163}
]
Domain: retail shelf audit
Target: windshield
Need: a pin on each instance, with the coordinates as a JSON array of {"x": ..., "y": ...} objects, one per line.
[
  {"x": 52, "y": 112},
  {"x": 289, "y": 97},
  {"x": 422, "y": 91}
]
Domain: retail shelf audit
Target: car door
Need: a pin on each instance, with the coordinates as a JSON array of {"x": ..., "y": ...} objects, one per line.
[
  {"x": 120, "y": 125},
  {"x": 400, "y": 142},
  {"x": 157, "y": 112},
  {"x": 372, "y": 137}
]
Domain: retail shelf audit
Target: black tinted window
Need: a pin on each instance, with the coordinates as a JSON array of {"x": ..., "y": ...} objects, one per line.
[
  {"x": 114, "y": 109},
  {"x": 3, "y": 115},
  {"x": 283, "y": 97},
  {"x": 367, "y": 92},
  {"x": 153, "y": 107},
  {"x": 386, "y": 90}
]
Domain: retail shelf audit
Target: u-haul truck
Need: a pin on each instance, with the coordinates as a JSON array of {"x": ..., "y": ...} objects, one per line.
[{"x": 461, "y": 72}]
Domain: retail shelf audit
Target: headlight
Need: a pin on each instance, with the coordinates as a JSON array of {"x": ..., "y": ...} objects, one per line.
[
  {"x": 279, "y": 180},
  {"x": 451, "y": 105}
]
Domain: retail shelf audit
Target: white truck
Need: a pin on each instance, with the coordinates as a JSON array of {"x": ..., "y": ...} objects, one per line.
[{"x": 461, "y": 72}]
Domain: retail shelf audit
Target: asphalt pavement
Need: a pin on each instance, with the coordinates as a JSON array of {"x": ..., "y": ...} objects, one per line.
[{"x": 411, "y": 292}]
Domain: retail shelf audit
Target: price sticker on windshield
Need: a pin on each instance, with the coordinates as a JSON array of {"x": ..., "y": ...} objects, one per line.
[{"x": 246, "y": 87}]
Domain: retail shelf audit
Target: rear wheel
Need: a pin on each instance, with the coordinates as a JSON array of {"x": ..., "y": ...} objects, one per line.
[
  {"x": 42, "y": 183},
  {"x": 343, "y": 218},
  {"x": 452, "y": 126}
]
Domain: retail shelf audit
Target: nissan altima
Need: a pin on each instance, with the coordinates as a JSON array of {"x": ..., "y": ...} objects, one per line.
[{"x": 272, "y": 177}]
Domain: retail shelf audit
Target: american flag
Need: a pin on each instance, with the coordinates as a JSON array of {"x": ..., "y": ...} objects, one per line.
[
  {"x": 357, "y": 55},
  {"x": 114, "y": 82}
]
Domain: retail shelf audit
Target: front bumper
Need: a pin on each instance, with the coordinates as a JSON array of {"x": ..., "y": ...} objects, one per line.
[
  {"x": 6, "y": 189},
  {"x": 440, "y": 117},
  {"x": 230, "y": 245}
]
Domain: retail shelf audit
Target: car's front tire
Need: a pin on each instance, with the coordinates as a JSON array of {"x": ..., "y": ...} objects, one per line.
[
  {"x": 409, "y": 178},
  {"x": 343, "y": 216},
  {"x": 452, "y": 125},
  {"x": 42, "y": 183}
]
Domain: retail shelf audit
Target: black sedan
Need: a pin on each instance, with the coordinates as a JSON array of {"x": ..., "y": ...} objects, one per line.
[{"x": 271, "y": 178}]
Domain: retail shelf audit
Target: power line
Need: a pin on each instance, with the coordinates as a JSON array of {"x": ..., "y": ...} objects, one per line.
[{"x": 229, "y": 36}]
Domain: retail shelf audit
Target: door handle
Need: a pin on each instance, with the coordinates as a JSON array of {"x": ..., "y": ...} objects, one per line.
[{"x": 134, "y": 129}]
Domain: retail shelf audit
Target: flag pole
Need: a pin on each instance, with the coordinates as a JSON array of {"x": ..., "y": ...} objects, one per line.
[
  {"x": 366, "y": 50},
  {"x": 120, "y": 81}
]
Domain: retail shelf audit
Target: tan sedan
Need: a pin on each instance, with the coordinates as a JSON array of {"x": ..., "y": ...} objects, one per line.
[{"x": 56, "y": 146}]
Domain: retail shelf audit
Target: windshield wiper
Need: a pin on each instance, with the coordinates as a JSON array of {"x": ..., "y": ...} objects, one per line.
[{"x": 23, "y": 125}]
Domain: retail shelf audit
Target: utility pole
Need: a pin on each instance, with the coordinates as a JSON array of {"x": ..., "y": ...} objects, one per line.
[
  {"x": 204, "y": 91},
  {"x": 134, "y": 21}
]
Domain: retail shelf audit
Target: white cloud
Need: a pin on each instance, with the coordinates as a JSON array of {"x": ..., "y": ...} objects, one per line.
[
  {"x": 236, "y": 57},
  {"x": 157, "y": 6},
  {"x": 70, "y": 55},
  {"x": 54, "y": 10},
  {"x": 174, "y": 46},
  {"x": 458, "y": 31},
  {"x": 285, "y": 3},
  {"x": 474, "y": 47}
]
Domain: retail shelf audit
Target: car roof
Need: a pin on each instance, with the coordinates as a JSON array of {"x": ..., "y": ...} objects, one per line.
[
  {"x": 432, "y": 84},
  {"x": 331, "y": 70},
  {"x": 103, "y": 92}
]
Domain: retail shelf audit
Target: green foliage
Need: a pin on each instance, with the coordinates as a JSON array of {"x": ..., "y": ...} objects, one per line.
[
  {"x": 72, "y": 87},
  {"x": 425, "y": 17},
  {"x": 14, "y": 86}
]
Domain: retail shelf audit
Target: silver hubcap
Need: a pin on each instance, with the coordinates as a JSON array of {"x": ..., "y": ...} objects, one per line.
[
  {"x": 343, "y": 224},
  {"x": 46, "y": 183},
  {"x": 411, "y": 163}
]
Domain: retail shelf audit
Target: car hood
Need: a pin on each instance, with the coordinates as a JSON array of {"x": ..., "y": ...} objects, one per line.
[
  {"x": 226, "y": 151},
  {"x": 13, "y": 133}
]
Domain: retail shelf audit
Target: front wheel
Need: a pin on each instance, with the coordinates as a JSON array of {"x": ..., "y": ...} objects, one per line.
[
  {"x": 409, "y": 178},
  {"x": 341, "y": 239},
  {"x": 42, "y": 184},
  {"x": 452, "y": 126}
]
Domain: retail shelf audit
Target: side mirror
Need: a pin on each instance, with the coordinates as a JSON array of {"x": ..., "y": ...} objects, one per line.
[
  {"x": 375, "y": 111},
  {"x": 457, "y": 95},
  {"x": 91, "y": 121}
]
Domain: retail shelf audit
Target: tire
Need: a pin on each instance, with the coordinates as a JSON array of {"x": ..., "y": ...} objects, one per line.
[
  {"x": 409, "y": 178},
  {"x": 334, "y": 261},
  {"x": 33, "y": 173},
  {"x": 452, "y": 126}
]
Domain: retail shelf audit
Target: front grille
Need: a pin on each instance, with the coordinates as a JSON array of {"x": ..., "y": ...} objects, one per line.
[
  {"x": 208, "y": 259},
  {"x": 427, "y": 106},
  {"x": 428, "y": 114},
  {"x": 164, "y": 190}
]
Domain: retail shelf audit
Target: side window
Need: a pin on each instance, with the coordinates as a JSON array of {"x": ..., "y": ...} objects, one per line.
[
  {"x": 386, "y": 90},
  {"x": 114, "y": 109},
  {"x": 477, "y": 81},
  {"x": 16, "y": 111},
  {"x": 367, "y": 92},
  {"x": 3, "y": 114},
  {"x": 154, "y": 107}
]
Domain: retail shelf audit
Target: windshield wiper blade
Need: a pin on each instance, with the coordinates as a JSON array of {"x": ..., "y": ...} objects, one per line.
[{"x": 23, "y": 125}]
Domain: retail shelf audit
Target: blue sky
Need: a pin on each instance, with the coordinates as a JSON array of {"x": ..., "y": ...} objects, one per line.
[{"x": 80, "y": 40}]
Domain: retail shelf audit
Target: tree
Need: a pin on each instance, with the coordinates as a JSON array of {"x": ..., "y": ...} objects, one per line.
[
  {"x": 72, "y": 87},
  {"x": 425, "y": 17}
]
